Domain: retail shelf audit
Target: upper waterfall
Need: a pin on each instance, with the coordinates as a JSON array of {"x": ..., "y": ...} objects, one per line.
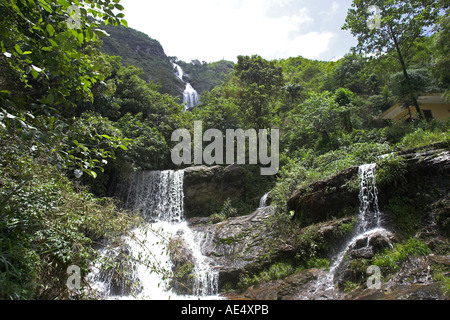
[{"x": 190, "y": 95}]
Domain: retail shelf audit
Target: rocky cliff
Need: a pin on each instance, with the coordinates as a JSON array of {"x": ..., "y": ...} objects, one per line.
[
  {"x": 206, "y": 189},
  {"x": 265, "y": 256}
]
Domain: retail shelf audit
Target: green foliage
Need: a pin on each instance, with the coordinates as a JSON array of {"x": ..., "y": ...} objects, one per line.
[
  {"x": 350, "y": 286},
  {"x": 419, "y": 80},
  {"x": 218, "y": 113},
  {"x": 51, "y": 66},
  {"x": 206, "y": 76},
  {"x": 391, "y": 259},
  {"x": 40, "y": 43},
  {"x": 406, "y": 215},
  {"x": 260, "y": 83},
  {"x": 227, "y": 211},
  {"x": 276, "y": 271},
  {"x": 320, "y": 263},
  {"x": 441, "y": 60},
  {"x": 426, "y": 136},
  {"x": 47, "y": 224},
  {"x": 148, "y": 148},
  {"x": 390, "y": 170},
  {"x": 401, "y": 24},
  {"x": 445, "y": 283},
  {"x": 139, "y": 50}
]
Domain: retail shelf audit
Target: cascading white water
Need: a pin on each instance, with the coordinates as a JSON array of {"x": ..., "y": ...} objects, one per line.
[
  {"x": 369, "y": 213},
  {"x": 190, "y": 95},
  {"x": 159, "y": 196},
  {"x": 263, "y": 201},
  {"x": 178, "y": 71},
  {"x": 368, "y": 225}
]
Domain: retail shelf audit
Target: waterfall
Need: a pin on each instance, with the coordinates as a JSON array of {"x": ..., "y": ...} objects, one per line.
[
  {"x": 190, "y": 95},
  {"x": 368, "y": 224},
  {"x": 263, "y": 200},
  {"x": 369, "y": 213},
  {"x": 158, "y": 196}
]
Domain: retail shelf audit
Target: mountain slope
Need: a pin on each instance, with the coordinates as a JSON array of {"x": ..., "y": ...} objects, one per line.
[{"x": 139, "y": 50}]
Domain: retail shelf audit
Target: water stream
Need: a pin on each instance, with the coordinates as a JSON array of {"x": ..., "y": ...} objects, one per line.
[
  {"x": 368, "y": 225},
  {"x": 263, "y": 201}
]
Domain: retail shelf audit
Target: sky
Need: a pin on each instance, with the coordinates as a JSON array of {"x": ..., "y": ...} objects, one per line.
[{"x": 212, "y": 30}]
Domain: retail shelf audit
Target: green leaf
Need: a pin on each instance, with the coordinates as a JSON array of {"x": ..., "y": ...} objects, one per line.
[
  {"x": 92, "y": 173},
  {"x": 18, "y": 49},
  {"x": 46, "y": 6},
  {"x": 50, "y": 30},
  {"x": 101, "y": 33},
  {"x": 34, "y": 73}
]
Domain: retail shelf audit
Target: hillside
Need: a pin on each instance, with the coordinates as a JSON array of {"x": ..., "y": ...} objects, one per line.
[
  {"x": 139, "y": 50},
  {"x": 205, "y": 76}
]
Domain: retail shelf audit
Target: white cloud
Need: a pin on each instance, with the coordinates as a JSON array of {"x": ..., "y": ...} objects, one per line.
[
  {"x": 210, "y": 30},
  {"x": 310, "y": 45}
]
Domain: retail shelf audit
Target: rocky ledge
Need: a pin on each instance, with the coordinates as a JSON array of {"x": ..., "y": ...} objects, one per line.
[{"x": 413, "y": 192}]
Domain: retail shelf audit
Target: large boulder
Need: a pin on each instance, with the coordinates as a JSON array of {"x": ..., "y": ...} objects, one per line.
[
  {"x": 334, "y": 197},
  {"x": 207, "y": 188},
  {"x": 241, "y": 244},
  {"x": 249, "y": 244}
]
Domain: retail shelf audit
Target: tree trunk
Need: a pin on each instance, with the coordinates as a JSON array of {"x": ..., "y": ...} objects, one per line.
[{"x": 405, "y": 74}]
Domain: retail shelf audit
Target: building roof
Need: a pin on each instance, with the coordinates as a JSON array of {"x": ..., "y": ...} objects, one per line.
[{"x": 399, "y": 112}]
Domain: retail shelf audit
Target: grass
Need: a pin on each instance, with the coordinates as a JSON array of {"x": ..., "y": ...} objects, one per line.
[
  {"x": 391, "y": 260},
  {"x": 421, "y": 137},
  {"x": 276, "y": 271}
]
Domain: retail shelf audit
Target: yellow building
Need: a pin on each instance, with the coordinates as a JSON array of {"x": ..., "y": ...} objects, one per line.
[{"x": 433, "y": 106}]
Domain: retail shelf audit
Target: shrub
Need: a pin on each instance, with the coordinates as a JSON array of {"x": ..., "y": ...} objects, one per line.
[
  {"x": 406, "y": 215},
  {"x": 47, "y": 224},
  {"x": 391, "y": 260},
  {"x": 421, "y": 137},
  {"x": 390, "y": 170}
]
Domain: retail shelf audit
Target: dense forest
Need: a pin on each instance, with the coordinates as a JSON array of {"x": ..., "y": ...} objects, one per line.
[{"x": 79, "y": 111}]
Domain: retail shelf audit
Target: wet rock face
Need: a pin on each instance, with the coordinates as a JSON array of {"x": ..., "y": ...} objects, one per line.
[
  {"x": 331, "y": 198},
  {"x": 413, "y": 281},
  {"x": 286, "y": 289},
  {"x": 240, "y": 244},
  {"x": 337, "y": 196},
  {"x": 207, "y": 188},
  {"x": 249, "y": 244},
  {"x": 183, "y": 265}
]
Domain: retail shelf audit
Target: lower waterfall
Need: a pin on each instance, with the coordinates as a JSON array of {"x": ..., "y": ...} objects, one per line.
[
  {"x": 368, "y": 225},
  {"x": 158, "y": 196}
]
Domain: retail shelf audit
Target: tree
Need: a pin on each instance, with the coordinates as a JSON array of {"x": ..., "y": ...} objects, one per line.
[
  {"x": 261, "y": 82},
  {"x": 48, "y": 57},
  {"x": 441, "y": 49},
  {"x": 401, "y": 23}
]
